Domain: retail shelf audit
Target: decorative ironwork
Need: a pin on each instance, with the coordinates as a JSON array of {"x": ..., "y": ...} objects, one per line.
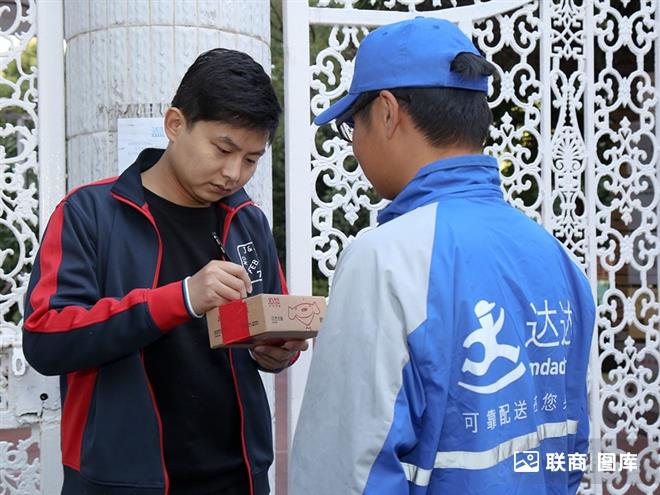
[
  {"x": 19, "y": 462},
  {"x": 511, "y": 42},
  {"x": 575, "y": 132},
  {"x": 627, "y": 154},
  {"x": 341, "y": 191},
  {"x": 410, "y": 5}
]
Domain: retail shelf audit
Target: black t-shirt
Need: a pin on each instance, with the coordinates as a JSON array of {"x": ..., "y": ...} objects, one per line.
[{"x": 193, "y": 383}]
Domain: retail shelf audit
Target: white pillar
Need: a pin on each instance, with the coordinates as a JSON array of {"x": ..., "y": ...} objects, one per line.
[
  {"x": 50, "y": 61},
  {"x": 298, "y": 142}
]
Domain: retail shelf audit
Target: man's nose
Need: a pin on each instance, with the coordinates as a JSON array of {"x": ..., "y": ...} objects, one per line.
[{"x": 231, "y": 170}]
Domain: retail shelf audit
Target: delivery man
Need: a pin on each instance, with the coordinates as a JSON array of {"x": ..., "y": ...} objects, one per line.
[{"x": 454, "y": 352}]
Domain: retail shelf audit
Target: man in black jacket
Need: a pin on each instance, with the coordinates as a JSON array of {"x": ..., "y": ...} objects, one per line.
[{"x": 125, "y": 272}]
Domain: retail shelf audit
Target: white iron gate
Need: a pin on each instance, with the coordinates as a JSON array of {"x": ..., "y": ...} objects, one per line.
[
  {"x": 29, "y": 403},
  {"x": 575, "y": 105}
]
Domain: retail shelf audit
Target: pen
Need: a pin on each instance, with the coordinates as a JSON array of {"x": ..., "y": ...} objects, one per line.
[
  {"x": 221, "y": 248},
  {"x": 224, "y": 254}
]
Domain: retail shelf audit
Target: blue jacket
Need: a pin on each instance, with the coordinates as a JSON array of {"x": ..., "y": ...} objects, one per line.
[
  {"x": 457, "y": 337},
  {"x": 93, "y": 304}
]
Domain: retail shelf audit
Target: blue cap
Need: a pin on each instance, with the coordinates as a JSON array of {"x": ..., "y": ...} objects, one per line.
[{"x": 412, "y": 53}]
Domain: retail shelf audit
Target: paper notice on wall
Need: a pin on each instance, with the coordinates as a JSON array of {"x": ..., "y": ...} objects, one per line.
[{"x": 134, "y": 135}]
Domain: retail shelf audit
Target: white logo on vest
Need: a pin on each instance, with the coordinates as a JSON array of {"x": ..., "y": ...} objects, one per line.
[{"x": 487, "y": 336}]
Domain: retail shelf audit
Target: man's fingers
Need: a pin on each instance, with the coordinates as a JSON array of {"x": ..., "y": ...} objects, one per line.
[
  {"x": 247, "y": 281},
  {"x": 296, "y": 345},
  {"x": 227, "y": 294},
  {"x": 276, "y": 353},
  {"x": 217, "y": 283},
  {"x": 232, "y": 282},
  {"x": 281, "y": 354},
  {"x": 238, "y": 272},
  {"x": 269, "y": 362}
]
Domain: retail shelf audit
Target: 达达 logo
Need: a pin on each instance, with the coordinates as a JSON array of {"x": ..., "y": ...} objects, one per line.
[{"x": 487, "y": 335}]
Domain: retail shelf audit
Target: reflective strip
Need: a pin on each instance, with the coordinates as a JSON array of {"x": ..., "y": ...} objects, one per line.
[
  {"x": 488, "y": 458},
  {"x": 416, "y": 474}
]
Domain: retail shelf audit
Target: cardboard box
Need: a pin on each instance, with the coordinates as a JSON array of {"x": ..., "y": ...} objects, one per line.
[{"x": 265, "y": 319}]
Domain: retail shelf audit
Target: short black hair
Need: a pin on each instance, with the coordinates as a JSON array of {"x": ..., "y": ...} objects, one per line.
[
  {"x": 446, "y": 116},
  {"x": 228, "y": 86}
]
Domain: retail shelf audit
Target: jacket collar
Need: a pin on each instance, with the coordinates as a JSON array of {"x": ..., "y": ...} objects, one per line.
[
  {"x": 444, "y": 178},
  {"x": 129, "y": 183}
]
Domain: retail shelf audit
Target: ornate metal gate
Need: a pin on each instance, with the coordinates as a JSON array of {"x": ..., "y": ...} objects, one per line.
[
  {"x": 576, "y": 106},
  {"x": 29, "y": 403}
]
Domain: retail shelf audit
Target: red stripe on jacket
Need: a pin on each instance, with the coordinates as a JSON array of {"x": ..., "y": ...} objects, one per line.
[
  {"x": 79, "y": 391},
  {"x": 160, "y": 301},
  {"x": 49, "y": 263},
  {"x": 230, "y": 213},
  {"x": 285, "y": 289}
]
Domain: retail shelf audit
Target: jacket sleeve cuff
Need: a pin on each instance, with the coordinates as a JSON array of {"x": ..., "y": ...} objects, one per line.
[
  {"x": 186, "y": 298},
  {"x": 167, "y": 306}
]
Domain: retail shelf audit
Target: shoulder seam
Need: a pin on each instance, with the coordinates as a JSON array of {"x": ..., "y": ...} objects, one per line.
[{"x": 101, "y": 182}]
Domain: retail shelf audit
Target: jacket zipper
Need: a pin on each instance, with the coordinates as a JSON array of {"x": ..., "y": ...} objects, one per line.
[
  {"x": 149, "y": 217},
  {"x": 230, "y": 213}
]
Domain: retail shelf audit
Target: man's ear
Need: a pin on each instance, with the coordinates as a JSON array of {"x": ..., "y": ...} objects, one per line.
[
  {"x": 391, "y": 114},
  {"x": 174, "y": 123}
]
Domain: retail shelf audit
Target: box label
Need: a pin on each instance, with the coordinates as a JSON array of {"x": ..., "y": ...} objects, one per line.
[{"x": 274, "y": 302}]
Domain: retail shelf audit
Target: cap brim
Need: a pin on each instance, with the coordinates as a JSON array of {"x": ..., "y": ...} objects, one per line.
[{"x": 334, "y": 111}]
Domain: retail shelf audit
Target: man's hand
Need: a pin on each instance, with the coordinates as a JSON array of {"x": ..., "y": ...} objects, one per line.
[
  {"x": 276, "y": 357},
  {"x": 217, "y": 283}
]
